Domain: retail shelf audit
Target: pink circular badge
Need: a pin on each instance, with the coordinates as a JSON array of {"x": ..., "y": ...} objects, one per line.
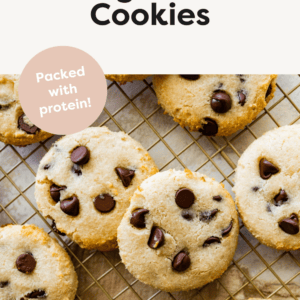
[{"x": 62, "y": 90}]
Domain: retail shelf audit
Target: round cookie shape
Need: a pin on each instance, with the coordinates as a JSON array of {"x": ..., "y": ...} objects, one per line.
[
  {"x": 214, "y": 104},
  {"x": 125, "y": 78},
  {"x": 34, "y": 265},
  {"x": 173, "y": 248},
  {"x": 85, "y": 182},
  {"x": 15, "y": 127},
  {"x": 267, "y": 188}
]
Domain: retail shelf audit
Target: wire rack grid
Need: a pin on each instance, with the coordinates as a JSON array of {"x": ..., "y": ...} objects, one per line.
[{"x": 256, "y": 271}]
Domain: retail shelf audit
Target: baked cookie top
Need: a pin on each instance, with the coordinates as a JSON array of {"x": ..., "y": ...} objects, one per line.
[
  {"x": 125, "y": 78},
  {"x": 33, "y": 265},
  {"x": 214, "y": 104},
  {"x": 180, "y": 231},
  {"x": 85, "y": 183},
  {"x": 267, "y": 188},
  {"x": 15, "y": 127}
]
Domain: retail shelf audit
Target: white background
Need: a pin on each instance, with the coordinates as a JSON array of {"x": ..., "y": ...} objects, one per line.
[{"x": 254, "y": 36}]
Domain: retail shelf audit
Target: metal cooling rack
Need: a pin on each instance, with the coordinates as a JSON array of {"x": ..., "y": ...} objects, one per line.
[{"x": 256, "y": 271}]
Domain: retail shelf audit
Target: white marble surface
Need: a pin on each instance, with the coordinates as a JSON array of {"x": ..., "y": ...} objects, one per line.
[{"x": 102, "y": 274}]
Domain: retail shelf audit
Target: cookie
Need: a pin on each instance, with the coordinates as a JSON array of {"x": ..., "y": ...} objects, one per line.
[
  {"x": 33, "y": 265},
  {"x": 85, "y": 182},
  {"x": 267, "y": 188},
  {"x": 125, "y": 78},
  {"x": 15, "y": 127},
  {"x": 180, "y": 231},
  {"x": 214, "y": 104}
]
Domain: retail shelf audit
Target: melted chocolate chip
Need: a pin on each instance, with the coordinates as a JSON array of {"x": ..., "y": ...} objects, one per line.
[
  {"x": 184, "y": 198},
  {"x": 3, "y": 284},
  {"x": 138, "y": 218},
  {"x": 80, "y": 155},
  {"x": 280, "y": 198},
  {"x": 241, "y": 77},
  {"x": 77, "y": 170},
  {"x": 70, "y": 206},
  {"x": 210, "y": 128},
  {"x": 255, "y": 189},
  {"x": 217, "y": 198},
  {"x": 220, "y": 102},
  {"x": 156, "y": 239},
  {"x": 25, "y": 127},
  {"x": 125, "y": 175},
  {"x": 4, "y": 107},
  {"x": 227, "y": 229},
  {"x": 104, "y": 203},
  {"x": 187, "y": 215},
  {"x": 207, "y": 216},
  {"x": 36, "y": 294},
  {"x": 290, "y": 225},
  {"x": 55, "y": 191},
  {"x": 211, "y": 240},
  {"x": 267, "y": 169},
  {"x": 56, "y": 230},
  {"x": 242, "y": 98},
  {"x": 190, "y": 77},
  {"x": 268, "y": 93},
  {"x": 181, "y": 262},
  {"x": 46, "y": 167},
  {"x": 26, "y": 263}
]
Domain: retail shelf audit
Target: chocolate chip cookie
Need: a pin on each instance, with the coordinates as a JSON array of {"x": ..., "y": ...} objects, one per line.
[
  {"x": 33, "y": 265},
  {"x": 267, "y": 188},
  {"x": 180, "y": 231},
  {"x": 125, "y": 78},
  {"x": 85, "y": 182},
  {"x": 15, "y": 127},
  {"x": 214, "y": 104}
]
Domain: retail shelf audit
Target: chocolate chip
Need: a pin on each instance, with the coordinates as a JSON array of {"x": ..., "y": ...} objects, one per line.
[
  {"x": 217, "y": 198},
  {"x": 56, "y": 230},
  {"x": 70, "y": 206},
  {"x": 36, "y": 294},
  {"x": 269, "y": 91},
  {"x": 26, "y": 263},
  {"x": 255, "y": 189},
  {"x": 76, "y": 169},
  {"x": 242, "y": 98},
  {"x": 184, "y": 198},
  {"x": 190, "y": 77},
  {"x": 269, "y": 208},
  {"x": 55, "y": 191},
  {"x": 241, "y": 77},
  {"x": 104, "y": 203},
  {"x": 280, "y": 198},
  {"x": 125, "y": 175},
  {"x": 187, "y": 215},
  {"x": 220, "y": 102},
  {"x": 138, "y": 218},
  {"x": 24, "y": 126},
  {"x": 211, "y": 240},
  {"x": 227, "y": 229},
  {"x": 46, "y": 167},
  {"x": 181, "y": 262},
  {"x": 4, "y": 107},
  {"x": 210, "y": 128},
  {"x": 3, "y": 284},
  {"x": 207, "y": 216},
  {"x": 80, "y": 155},
  {"x": 290, "y": 225},
  {"x": 267, "y": 169},
  {"x": 156, "y": 239}
]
